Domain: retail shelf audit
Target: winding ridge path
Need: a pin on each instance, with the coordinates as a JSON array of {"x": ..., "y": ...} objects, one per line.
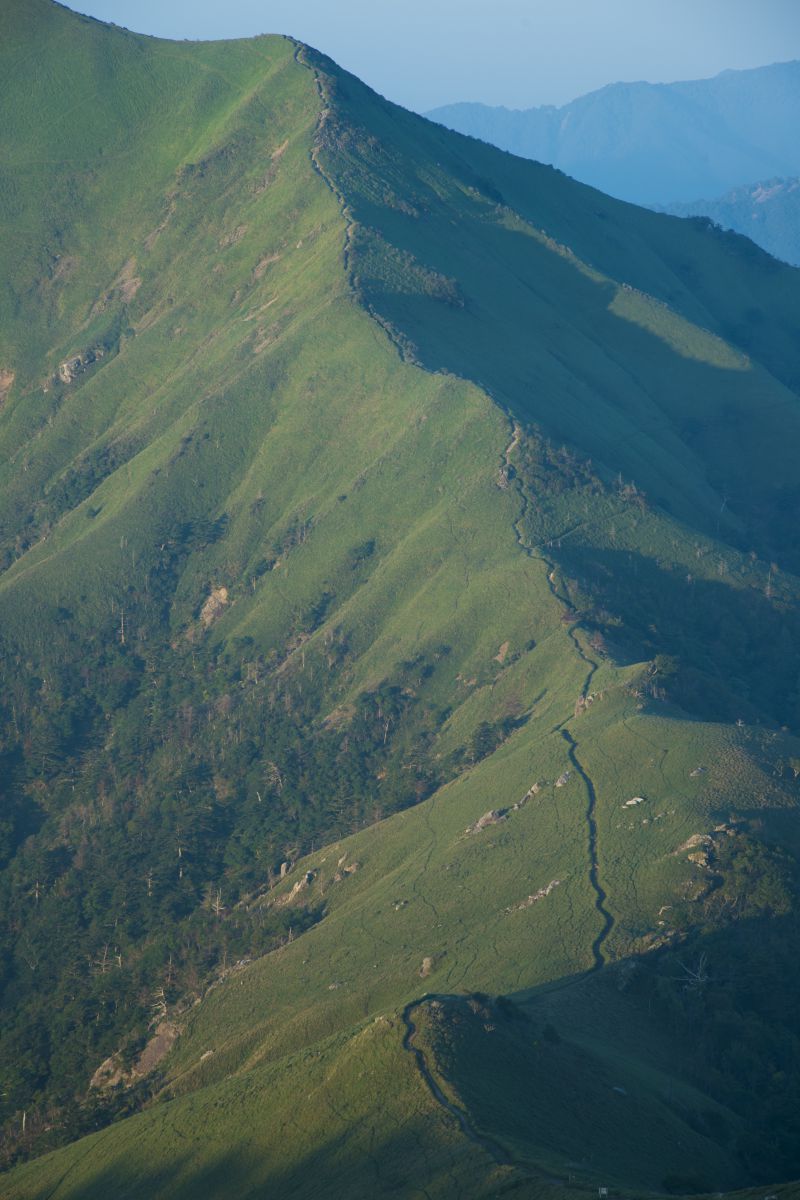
[
  {"x": 594, "y": 877},
  {"x": 591, "y": 821},
  {"x": 494, "y": 1148}
]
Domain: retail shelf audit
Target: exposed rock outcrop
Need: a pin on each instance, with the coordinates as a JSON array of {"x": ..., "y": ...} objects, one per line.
[{"x": 6, "y": 382}]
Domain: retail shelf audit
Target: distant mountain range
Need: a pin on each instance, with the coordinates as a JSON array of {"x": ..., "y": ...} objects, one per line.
[
  {"x": 657, "y": 143},
  {"x": 767, "y": 212}
]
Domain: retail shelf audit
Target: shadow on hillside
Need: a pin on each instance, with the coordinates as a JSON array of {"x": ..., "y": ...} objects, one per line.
[
  {"x": 648, "y": 394},
  {"x": 734, "y": 653},
  {"x": 694, "y": 1032},
  {"x": 716, "y": 1011},
  {"x": 357, "y": 1164}
]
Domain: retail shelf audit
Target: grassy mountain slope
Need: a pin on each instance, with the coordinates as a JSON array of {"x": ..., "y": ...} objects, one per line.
[
  {"x": 414, "y": 483},
  {"x": 654, "y": 143},
  {"x": 765, "y": 212},
  {"x": 423, "y": 890},
  {"x": 606, "y": 339}
]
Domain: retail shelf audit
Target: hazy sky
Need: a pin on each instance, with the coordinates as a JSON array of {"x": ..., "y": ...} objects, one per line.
[{"x": 422, "y": 53}]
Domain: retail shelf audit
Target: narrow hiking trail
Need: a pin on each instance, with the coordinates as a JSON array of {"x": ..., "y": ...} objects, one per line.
[
  {"x": 594, "y": 869},
  {"x": 497, "y": 1152},
  {"x": 489, "y": 1144},
  {"x": 512, "y": 477},
  {"x": 535, "y": 553}
]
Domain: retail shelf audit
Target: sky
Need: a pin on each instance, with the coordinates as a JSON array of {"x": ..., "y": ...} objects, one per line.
[{"x": 422, "y": 53}]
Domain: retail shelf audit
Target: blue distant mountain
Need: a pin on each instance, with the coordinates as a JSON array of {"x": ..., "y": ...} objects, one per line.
[
  {"x": 657, "y": 144},
  {"x": 767, "y": 212}
]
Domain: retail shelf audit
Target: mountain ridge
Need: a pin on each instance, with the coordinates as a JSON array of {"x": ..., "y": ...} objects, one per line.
[{"x": 319, "y": 683}]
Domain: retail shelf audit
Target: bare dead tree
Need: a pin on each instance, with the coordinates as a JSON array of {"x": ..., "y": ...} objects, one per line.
[
  {"x": 695, "y": 977},
  {"x": 159, "y": 1005}
]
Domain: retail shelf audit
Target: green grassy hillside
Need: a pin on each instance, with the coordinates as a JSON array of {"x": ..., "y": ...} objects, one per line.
[{"x": 398, "y": 600}]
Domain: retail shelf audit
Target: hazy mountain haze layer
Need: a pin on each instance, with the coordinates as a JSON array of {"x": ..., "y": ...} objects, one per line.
[{"x": 657, "y": 143}]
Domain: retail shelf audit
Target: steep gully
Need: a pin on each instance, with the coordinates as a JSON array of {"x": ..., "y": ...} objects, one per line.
[{"x": 494, "y": 1148}]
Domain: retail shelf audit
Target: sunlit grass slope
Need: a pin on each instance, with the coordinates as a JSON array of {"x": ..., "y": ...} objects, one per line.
[
  {"x": 297, "y": 1061},
  {"x": 239, "y": 384},
  {"x": 318, "y": 1136},
  {"x": 286, "y": 377}
]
